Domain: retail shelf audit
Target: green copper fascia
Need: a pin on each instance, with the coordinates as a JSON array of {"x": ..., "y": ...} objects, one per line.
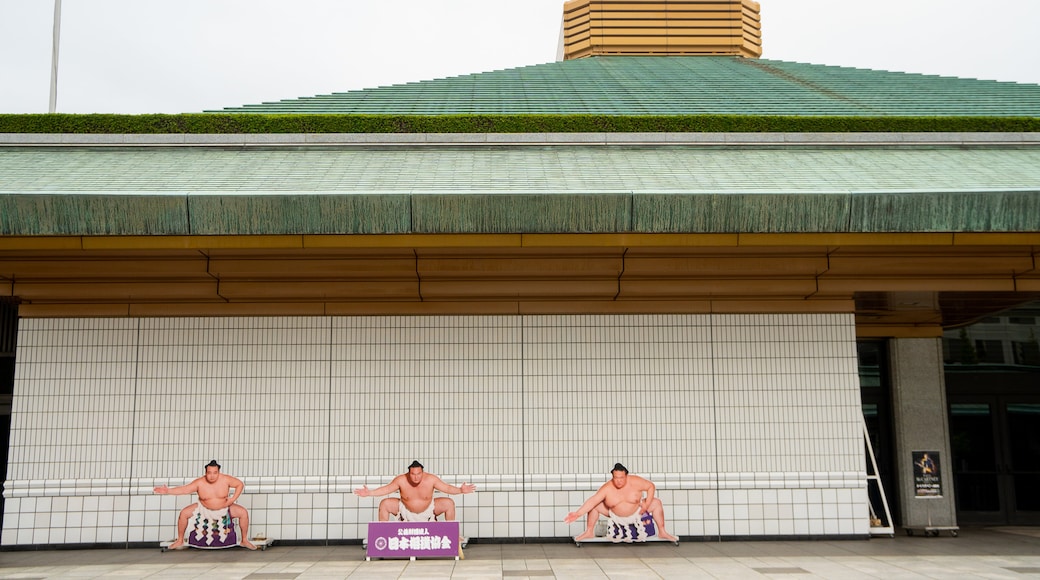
[
  {"x": 299, "y": 214},
  {"x": 946, "y": 212},
  {"x": 906, "y": 212},
  {"x": 745, "y": 213},
  {"x": 522, "y": 213},
  {"x": 93, "y": 215}
]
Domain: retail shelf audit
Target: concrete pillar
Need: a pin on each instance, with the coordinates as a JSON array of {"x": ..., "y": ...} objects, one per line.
[{"x": 921, "y": 423}]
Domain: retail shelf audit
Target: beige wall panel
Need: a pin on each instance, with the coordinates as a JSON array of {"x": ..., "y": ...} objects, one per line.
[
  {"x": 944, "y": 251},
  {"x": 758, "y": 252},
  {"x": 616, "y": 43},
  {"x": 581, "y": 49},
  {"x": 852, "y": 239},
  {"x": 388, "y": 268},
  {"x": 617, "y": 307},
  {"x": 661, "y": 28},
  {"x": 904, "y": 317},
  {"x": 718, "y": 306},
  {"x": 518, "y": 289},
  {"x": 606, "y": 24},
  {"x": 677, "y": 52},
  {"x": 998, "y": 239},
  {"x": 711, "y": 20},
  {"x": 40, "y": 243},
  {"x": 413, "y": 241},
  {"x": 498, "y": 252},
  {"x": 922, "y": 266},
  {"x": 320, "y": 290},
  {"x": 666, "y": 7},
  {"x": 858, "y": 263},
  {"x": 117, "y": 291},
  {"x": 421, "y": 308},
  {"x": 127, "y": 267},
  {"x": 577, "y": 23},
  {"x": 868, "y": 331},
  {"x": 630, "y": 240},
  {"x": 73, "y": 310},
  {"x": 938, "y": 284},
  {"x": 729, "y": 266},
  {"x": 538, "y": 267},
  {"x": 433, "y": 308},
  {"x": 229, "y": 309},
  {"x": 675, "y": 38},
  {"x": 200, "y": 242},
  {"x": 332, "y": 253},
  {"x": 1027, "y": 284},
  {"x": 673, "y": 288},
  {"x": 781, "y": 306},
  {"x": 576, "y": 44},
  {"x": 113, "y": 243}
]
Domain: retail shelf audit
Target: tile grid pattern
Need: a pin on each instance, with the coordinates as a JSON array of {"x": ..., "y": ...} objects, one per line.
[{"x": 749, "y": 425}]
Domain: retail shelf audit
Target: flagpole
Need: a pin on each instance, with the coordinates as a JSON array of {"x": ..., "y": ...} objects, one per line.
[{"x": 54, "y": 57}]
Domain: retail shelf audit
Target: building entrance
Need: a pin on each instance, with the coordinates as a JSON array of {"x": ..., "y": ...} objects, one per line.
[
  {"x": 995, "y": 442},
  {"x": 993, "y": 390},
  {"x": 877, "y": 415}
]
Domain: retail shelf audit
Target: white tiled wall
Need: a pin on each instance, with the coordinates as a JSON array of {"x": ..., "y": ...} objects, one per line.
[{"x": 749, "y": 425}]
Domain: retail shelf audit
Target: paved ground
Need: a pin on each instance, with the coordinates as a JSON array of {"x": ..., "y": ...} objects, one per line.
[{"x": 1012, "y": 553}]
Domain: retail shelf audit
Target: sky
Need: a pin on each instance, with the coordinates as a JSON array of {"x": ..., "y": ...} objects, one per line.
[{"x": 178, "y": 56}]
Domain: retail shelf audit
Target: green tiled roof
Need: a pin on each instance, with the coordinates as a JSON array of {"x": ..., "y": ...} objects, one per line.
[
  {"x": 494, "y": 189},
  {"x": 677, "y": 85},
  {"x": 524, "y": 169}
]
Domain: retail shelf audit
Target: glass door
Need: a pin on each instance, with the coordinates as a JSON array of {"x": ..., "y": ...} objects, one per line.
[
  {"x": 995, "y": 443},
  {"x": 1023, "y": 461},
  {"x": 975, "y": 477}
]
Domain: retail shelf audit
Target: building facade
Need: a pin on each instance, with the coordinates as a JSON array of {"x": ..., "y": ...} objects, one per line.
[{"x": 518, "y": 310}]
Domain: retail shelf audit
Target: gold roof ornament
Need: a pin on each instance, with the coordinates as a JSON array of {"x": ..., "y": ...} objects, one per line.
[{"x": 659, "y": 28}]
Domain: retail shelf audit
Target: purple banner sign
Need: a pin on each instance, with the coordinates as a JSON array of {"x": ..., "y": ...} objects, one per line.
[{"x": 413, "y": 539}]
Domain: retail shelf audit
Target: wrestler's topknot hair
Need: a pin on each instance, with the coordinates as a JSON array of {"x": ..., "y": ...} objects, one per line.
[
  {"x": 416, "y": 464},
  {"x": 213, "y": 463},
  {"x": 619, "y": 467}
]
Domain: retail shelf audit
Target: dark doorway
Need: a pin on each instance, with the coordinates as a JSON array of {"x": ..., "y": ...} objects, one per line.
[
  {"x": 995, "y": 441},
  {"x": 993, "y": 391},
  {"x": 875, "y": 395}
]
